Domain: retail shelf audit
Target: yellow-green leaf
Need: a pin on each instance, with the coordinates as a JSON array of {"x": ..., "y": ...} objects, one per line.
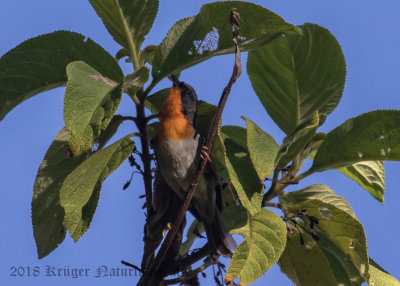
[
  {"x": 91, "y": 100},
  {"x": 80, "y": 191},
  {"x": 265, "y": 240},
  {"x": 262, "y": 149}
]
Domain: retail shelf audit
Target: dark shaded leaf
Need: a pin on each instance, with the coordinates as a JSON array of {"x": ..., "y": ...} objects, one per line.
[
  {"x": 209, "y": 33},
  {"x": 39, "y": 64},
  {"x": 128, "y": 21},
  {"x": 297, "y": 75}
]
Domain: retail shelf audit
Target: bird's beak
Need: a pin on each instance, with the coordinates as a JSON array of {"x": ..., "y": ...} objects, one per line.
[{"x": 175, "y": 81}]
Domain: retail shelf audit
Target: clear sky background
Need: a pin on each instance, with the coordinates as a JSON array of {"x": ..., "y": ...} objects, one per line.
[{"x": 368, "y": 32}]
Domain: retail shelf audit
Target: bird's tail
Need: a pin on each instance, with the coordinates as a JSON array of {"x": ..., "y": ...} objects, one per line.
[{"x": 219, "y": 239}]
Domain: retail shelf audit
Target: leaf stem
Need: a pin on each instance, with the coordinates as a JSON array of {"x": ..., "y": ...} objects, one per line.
[{"x": 304, "y": 175}]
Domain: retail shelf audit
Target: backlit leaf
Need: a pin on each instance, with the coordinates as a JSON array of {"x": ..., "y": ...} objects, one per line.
[
  {"x": 265, "y": 240},
  {"x": 262, "y": 149},
  {"x": 80, "y": 191},
  {"x": 241, "y": 172}
]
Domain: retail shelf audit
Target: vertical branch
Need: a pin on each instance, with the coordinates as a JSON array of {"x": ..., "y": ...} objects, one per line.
[
  {"x": 141, "y": 123},
  {"x": 153, "y": 268}
]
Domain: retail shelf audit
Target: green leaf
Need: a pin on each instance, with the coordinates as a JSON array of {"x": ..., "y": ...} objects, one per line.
[
  {"x": 147, "y": 55},
  {"x": 370, "y": 175},
  {"x": 262, "y": 149},
  {"x": 205, "y": 116},
  {"x": 39, "y": 64},
  {"x": 195, "y": 228},
  {"x": 240, "y": 168},
  {"x": 110, "y": 131},
  {"x": 47, "y": 213},
  {"x": 128, "y": 21},
  {"x": 265, "y": 240},
  {"x": 155, "y": 101},
  {"x": 372, "y": 136},
  {"x": 234, "y": 217},
  {"x": 317, "y": 262},
  {"x": 209, "y": 33},
  {"x": 305, "y": 264},
  {"x": 91, "y": 100},
  {"x": 380, "y": 277},
  {"x": 298, "y": 74},
  {"x": 295, "y": 142},
  {"x": 80, "y": 191},
  {"x": 341, "y": 227},
  {"x": 136, "y": 80},
  {"x": 316, "y": 192}
]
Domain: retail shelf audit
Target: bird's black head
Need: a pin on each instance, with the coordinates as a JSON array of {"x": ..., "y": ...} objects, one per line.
[{"x": 188, "y": 98}]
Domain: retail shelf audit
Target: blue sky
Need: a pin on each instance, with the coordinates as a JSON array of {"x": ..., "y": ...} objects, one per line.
[{"x": 368, "y": 32}]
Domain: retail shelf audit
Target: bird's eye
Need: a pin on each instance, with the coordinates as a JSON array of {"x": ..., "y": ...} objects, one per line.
[{"x": 187, "y": 92}]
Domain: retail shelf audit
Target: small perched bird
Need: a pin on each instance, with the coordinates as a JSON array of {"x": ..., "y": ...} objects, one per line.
[{"x": 177, "y": 147}]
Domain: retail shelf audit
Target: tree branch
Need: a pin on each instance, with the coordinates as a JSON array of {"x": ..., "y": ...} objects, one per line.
[
  {"x": 237, "y": 69},
  {"x": 141, "y": 123},
  {"x": 190, "y": 274}
]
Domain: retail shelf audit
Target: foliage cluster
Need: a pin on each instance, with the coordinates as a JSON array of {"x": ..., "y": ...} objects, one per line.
[{"x": 297, "y": 72}]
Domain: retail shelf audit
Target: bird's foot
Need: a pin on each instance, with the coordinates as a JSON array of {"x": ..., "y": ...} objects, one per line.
[{"x": 204, "y": 153}]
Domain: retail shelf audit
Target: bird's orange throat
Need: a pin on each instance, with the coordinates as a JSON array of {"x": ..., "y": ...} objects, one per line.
[{"x": 173, "y": 124}]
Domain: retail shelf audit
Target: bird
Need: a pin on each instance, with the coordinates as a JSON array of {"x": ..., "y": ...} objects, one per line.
[{"x": 178, "y": 147}]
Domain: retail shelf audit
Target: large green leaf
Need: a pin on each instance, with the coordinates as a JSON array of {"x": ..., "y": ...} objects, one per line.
[
  {"x": 240, "y": 168},
  {"x": 317, "y": 262},
  {"x": 373, "y": 135},
  {"x": 47, "y": 213},
  {"x": 380, "y": 277},
  {"x": 80, "y": 191},
  {"x": 128, "y": 21},
  {"x": 298, "y": 74},
  {"x": 339, "y": 225},
  {"x": 39, "y": 64},
  {"x": 209, "y": 33},
  {"x": 294, "y": 143},
  {"x": 368, "y": 174},
  {"x": 155, "y": 101},
  {"x": 262, "y": 149},
  {"x": 316, "y": 192},
  {"x": 265, "y": 240},
  {"x": 91, "y": 100}
]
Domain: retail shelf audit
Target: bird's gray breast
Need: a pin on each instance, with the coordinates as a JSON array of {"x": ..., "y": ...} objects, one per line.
[{"x": 178, "y": 160}]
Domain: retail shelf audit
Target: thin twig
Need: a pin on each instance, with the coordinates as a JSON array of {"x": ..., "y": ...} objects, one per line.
[
  {"x": 190, "y": 274},
  {"x": 131, "y": 265},
  {"x": 153, "y": 116},
  {"x": 131, "y": 118},
  {"x": 186, "y": 262},
  {"x": 237, "y": 69}
]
